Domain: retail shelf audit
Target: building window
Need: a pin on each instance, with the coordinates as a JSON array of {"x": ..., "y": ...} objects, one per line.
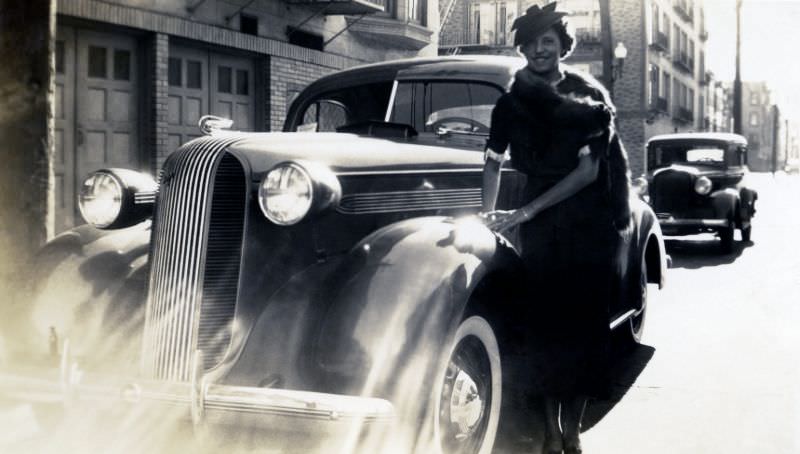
[
  {"x": 666, "y": 90},
  {"x": 676, "y": 46},
  {"x": 755, "y": 99},
  {"x": 475, "y": 24},
  {"x": 174, "y": 76},
  {"x": 224, "y": 83},
  {"x": 690, "y": 100},
  {"x": 97, "y": 62},
  {"x": 417, "y": 11},
  {"x": 753, "y": 119},
  {"x": 242, "y": 79},
  {"x": 194, "y": 74},
  {"x": 652, "y": 100},
  {"x": 656, "y": 25},
  {"x": 305, "y": 39},
  {"x": 122, "y": 65},
  {"x": 248, "y": 24},
  {"x": 502, "y": 23}
]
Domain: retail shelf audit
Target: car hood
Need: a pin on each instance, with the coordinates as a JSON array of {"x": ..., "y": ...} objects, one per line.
[{"x": 350, "y": 153}]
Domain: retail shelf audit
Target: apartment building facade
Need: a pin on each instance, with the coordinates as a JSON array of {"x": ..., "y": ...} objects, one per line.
[{"x": 133, "y": 78}]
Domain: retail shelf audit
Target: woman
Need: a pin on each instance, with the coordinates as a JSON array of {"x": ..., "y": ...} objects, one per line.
[{"x": 574, "y": 215}]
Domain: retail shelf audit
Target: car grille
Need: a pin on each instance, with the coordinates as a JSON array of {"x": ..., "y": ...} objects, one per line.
[
  {"x": 672, "y": 192},
  {"x": 195, "y": 256}
]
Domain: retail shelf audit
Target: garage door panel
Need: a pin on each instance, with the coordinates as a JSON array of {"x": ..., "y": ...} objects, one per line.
[
  {"x": 121, "y": 105},
  {"x": 96, "y": 104}
]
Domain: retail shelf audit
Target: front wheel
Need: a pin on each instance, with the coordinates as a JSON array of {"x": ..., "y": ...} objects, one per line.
[{"x": 469, "y": 391}]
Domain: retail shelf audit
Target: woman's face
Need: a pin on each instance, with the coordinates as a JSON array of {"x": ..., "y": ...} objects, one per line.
[{"x": 543, "y": 53}]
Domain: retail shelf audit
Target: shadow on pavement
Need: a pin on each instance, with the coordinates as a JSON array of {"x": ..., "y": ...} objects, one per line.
[
  {"x": 624, "y": 371},
  {"x": 702, "y": 251},
  {"x": 525, "y": 433}
]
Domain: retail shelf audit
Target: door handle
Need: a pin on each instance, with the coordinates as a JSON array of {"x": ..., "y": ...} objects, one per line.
[{"x": 80, "y": 136}]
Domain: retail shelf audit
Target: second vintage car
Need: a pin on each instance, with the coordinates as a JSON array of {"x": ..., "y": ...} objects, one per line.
[
  {"x": 698, "y": 183},
  {"x": 326, "y": 280}
]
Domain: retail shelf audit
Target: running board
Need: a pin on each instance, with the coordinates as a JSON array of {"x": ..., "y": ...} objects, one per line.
[{"x": 622, "y": 319}]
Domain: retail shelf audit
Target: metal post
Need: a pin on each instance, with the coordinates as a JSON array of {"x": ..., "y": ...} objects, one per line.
[{"x": 737, "y": 83}]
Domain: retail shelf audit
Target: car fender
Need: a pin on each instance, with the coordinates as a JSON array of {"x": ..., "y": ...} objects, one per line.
[
  {"x": 725, "y": 202},
  {"x": 90, "y": 286},
  {"x": 402, "y": 287}
]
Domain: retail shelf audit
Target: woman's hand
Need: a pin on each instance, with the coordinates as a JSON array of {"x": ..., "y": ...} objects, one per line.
[{"x": 501, "y": 220}]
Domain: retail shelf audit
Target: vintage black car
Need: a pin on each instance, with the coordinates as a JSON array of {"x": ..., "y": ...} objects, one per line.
[
  {"x": 698, "y": 183},
  {"x": 327, "y": 277}
]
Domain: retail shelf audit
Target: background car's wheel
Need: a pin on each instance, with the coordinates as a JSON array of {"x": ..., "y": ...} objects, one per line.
[
  {"x": 726, "y": 237},
  {"x": 746, "y": 231},
  {"x": 637, "y": 321},
  {"x": 469, "y": 392}
]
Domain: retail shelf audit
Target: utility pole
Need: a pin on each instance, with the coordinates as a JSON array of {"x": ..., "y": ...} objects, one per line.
[
  {"x": 776, "y": 123},
  {"x": 737, "y": 82}
]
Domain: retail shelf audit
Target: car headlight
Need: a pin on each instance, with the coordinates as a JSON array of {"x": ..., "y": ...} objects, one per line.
[
  {"x": 116, "y": 198},
  {"x": 292, "y": 190},
  {"x": 702, "y": 185}
]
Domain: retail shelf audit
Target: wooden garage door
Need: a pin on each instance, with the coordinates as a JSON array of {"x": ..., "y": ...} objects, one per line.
[
  {"x": 203, "y": 82},
  {"x": 96, "y": 109}
]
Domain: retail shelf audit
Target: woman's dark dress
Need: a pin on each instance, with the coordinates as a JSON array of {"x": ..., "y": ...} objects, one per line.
[{"x": 568, "y": 250}]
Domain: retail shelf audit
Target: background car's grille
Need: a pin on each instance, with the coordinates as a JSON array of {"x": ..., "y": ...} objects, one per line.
[
  {"x": 672, "y": 191},
  {"x": 195, "y": 250}
]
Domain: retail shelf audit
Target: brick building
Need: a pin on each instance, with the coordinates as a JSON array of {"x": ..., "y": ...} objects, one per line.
[
  {"x": 661, "y": 86},
  {"x": 760, "y": 119},
  {"x": 719, "y": 106},
  {"x": 133, "y": 77}
]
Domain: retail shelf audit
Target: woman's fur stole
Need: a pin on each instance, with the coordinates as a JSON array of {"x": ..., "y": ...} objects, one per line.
[{"x": 567, "y": 122}]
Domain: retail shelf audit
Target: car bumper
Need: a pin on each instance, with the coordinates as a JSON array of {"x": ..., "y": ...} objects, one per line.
[
  {"x": 204, "y": 403},
  {"x": 672, "y": 226}
]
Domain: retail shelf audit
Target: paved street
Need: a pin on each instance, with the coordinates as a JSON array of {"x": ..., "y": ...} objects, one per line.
[{"x": 720, "y": 372}]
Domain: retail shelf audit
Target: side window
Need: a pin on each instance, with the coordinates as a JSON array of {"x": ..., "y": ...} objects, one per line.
[{"x": 451, "y": 106}]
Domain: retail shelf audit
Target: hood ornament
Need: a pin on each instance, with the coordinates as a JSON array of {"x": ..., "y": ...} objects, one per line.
[{"x": 209, "y": 124}]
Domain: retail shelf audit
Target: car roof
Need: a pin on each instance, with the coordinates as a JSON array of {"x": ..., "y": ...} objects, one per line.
[
  {"x": 490, "y": 68},
  {"x": 687, "y": 136}
]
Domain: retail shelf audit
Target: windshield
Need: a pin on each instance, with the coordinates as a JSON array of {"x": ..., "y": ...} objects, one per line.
[
  {"x": 345, "y": 106},
  {"x": 454, "y": 106},
  {"x": 714, "y": 155}
]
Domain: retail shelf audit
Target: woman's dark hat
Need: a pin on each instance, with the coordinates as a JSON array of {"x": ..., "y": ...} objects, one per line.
[{"x": 534, "y": 22}]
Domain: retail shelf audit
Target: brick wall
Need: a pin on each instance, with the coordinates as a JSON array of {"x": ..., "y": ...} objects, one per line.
[
  {"x": 156, "y": 109},
  {"x": 287, "y": 78},
  {"x": 628, "y": 26}
]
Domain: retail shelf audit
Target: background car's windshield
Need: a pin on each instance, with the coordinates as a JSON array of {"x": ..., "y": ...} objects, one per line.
[
  {"x": 705, "y": 154},
  {"x": 349, "y": 105}
]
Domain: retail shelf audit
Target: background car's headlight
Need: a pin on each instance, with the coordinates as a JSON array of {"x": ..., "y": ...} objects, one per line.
[
  {"x": 116, "y": 198},
  {"x": 292, "y": 190},
  {"x": 285, "y": 194},
  {"x": 100, "y": 199},
  {"x": 702, "y": 185}
]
